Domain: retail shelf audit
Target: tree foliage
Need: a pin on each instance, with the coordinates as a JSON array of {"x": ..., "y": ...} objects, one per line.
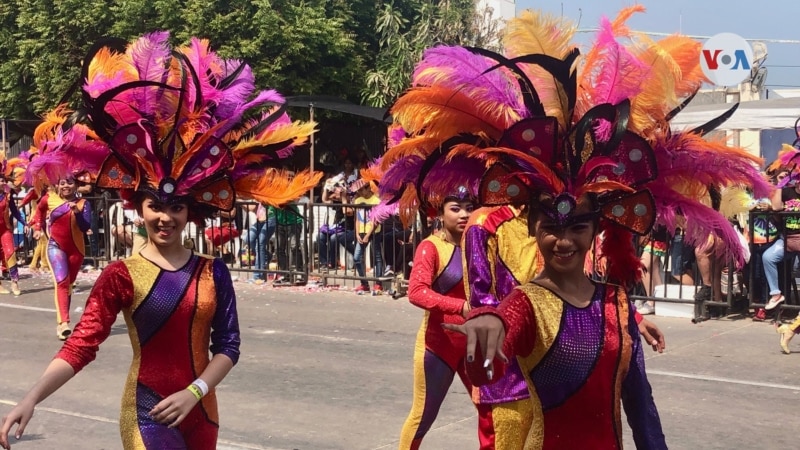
[
  {"x": 354, "y": 49},
  {"x": 297, "y": 47},
  {"x": 407, "y": 28}
]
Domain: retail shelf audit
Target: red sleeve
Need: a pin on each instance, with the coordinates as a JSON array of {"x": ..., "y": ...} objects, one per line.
[
  {"x": 112, "y": 291},
  {"x": 637, "y": 316},
  {"x": 29, "y": 197},
  {"x": 41, "y": 213},
  {"x": 520, "y": 323},
  {"x": 420, "y": 292}
]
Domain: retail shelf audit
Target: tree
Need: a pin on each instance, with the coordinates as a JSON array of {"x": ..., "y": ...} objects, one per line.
[
  {"x": 296, "y": 47},
  {"x": 407, "y": 28}
]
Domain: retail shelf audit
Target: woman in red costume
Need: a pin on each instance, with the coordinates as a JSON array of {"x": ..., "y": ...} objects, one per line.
[
  {"x": 176, "y": 162},
  {"x": 9, "y": 210},
  {"x": 64, "y": 218},
  {"x": 437, "y": 286}
]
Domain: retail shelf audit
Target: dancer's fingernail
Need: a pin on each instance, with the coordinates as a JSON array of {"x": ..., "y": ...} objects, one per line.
[
  {"x": 470, "y": 358},
  {"x": 489, "y": 374},
  {"x": 487, "y": 362}
]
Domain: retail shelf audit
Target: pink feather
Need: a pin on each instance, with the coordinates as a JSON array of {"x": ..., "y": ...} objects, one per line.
[
  {"x": 459, "y": 69},
  {"x": 151, "y": 56},
  {"x": 263, "y": 98},
  {"x": 619, "y": 74}
]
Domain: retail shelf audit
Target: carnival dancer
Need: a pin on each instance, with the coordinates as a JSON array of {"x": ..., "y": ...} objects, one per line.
[
  {"x": 9, "y": 210},
  {"x": 180, "y": 155},
  {"x": 436, "y": 286},
  {"x": 580, "y": 160},
  {"x": 65, "y": 217}
]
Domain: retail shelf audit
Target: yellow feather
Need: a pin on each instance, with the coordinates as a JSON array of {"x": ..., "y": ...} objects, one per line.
[
  {"x": 657, "y": 98},
  {"x": 735, "y": 201},
  {"x": 421, "y": 146},
  {"x": 298, "y": 132},
  {"x": 536, "y": 33}
]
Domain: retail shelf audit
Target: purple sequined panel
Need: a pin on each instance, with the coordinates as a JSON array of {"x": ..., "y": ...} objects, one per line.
[
  {"x": 164, "y": 297},
  {"x": 572, "y": 356},
  {"x": 452, "y": 274}
]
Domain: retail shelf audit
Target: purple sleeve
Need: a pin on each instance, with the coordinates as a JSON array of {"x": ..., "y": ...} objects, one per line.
[
  {"x": 479, "y": 272},
  {"x": 84, "y": 219},
  {"x": 12, "y": 206},
  {"x": 637, "y": 398},
  {"x": 225, "y": 326}
]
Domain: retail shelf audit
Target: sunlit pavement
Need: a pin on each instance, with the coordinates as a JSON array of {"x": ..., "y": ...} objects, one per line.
[{"x": 327, "y": 369}]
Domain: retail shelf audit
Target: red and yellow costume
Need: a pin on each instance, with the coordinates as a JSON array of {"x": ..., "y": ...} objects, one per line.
[
  {"x": 8, "y": 209},
  {"x": 503, "y": 255},
  {"x": 436, "y": 285},
  {"x": 173, "y": 318},
  {"x": 65, "y": 247},
  {"x": 579, "y": 364}
]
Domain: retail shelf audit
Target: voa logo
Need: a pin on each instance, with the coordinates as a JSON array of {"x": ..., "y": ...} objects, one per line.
[{"x": 726, "y": 59}]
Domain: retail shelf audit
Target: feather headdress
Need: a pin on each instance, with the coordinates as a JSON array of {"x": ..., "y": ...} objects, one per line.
[
  {"x": 184, "y": 124},
  {"x": 546, "y": 126}
]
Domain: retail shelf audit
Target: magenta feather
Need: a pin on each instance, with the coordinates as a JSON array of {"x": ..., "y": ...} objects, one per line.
[
  {"x": 151, "y": 56},
  {"x": 46, "y": 169},
  {"x": 687, "y": 157},
  {"x": 383, "y": 211},
  {"x": 619, "y": 74},
  {"x": 209, "y": 69},
  {"x": 461, "y": 70},
  {"x": 238, "y": 91},
  {"x": 701, "y": 222},
  {"x": 235, "y": 117}
]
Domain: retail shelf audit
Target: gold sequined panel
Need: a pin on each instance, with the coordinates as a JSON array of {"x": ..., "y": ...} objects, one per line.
[
  {"x": 518, "y": 248},
  {"x": 547, "y": 309},
  {"x": 144, "y": 274},
  {"x": 625, "y": 352},
  {"x": 444, "y": 250}
]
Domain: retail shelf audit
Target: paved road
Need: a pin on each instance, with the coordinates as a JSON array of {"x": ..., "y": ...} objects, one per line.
[{"x": 332, "y": 370}]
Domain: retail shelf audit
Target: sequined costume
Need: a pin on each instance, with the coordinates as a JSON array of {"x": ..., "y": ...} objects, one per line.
[
  {"x": 502, "y": 255},
  {"x": 8, "y": 209},
  {"x": 173, "y": 318},
  {"x": 65, "y": 248},
  {"x": 579, "y": 364},
  {"x": 436, "y": 286}
]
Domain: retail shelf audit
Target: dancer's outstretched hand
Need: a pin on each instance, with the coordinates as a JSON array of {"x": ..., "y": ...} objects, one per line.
[
  {"x": 488, "y": 331},
  {"x": 21, "y": 414}
]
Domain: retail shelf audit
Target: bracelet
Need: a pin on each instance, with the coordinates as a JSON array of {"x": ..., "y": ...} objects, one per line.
[
  {"x": 202, "y": 385},
  {"x": 195, "y": 391}
]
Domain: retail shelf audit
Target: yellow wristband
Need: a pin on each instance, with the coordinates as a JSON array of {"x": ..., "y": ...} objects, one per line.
[{"x": 195, "y": 390}]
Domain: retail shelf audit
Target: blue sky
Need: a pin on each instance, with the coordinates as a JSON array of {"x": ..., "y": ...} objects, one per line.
[{"x": 765, "y": 19}]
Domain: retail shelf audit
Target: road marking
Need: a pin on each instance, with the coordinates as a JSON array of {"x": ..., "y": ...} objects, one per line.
[
  {"x": 723, "y": 380},
  {"x": 225, "y": 445},
  {"x": 29, "y": 308}
]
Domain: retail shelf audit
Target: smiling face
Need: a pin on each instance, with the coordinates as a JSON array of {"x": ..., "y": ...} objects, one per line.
[
  {"x": 164, "y": 222},
  {"x": 66, "y": 188},
  {"x": 455, "y": 215},
  {"x": 564, "y": 248}
]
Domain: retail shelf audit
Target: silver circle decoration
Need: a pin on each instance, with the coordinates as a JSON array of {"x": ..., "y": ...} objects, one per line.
[
  {"x": 512, "y": 190},
  {"x": 536, "y": 150},
  {"x": 563, "y": 207},
  {"x": 528, "y": 135},
  {"x": 494, "y": 186},
  {"x": 619, "y": 169},
  {"x": 640, "y": 209},
  {"x": 168, "y": 188},
  {"x": 207, "y": 196},
  {"x": 214, "y": 150},
  {"x": 113, "y": 174},
  {"x": 206, "y": 163},
  {"x": 141, "y": 152},
  {"x": 196, "y": 171},
  {"x": 635, "y": 155},
  {"x": 223, "y": 194},
  {"x": 618, "y": 210},
  {"x": 602, "y": 178},
  {"x": 127, "y": 179},
  {"x": 132, "y": 139}
]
